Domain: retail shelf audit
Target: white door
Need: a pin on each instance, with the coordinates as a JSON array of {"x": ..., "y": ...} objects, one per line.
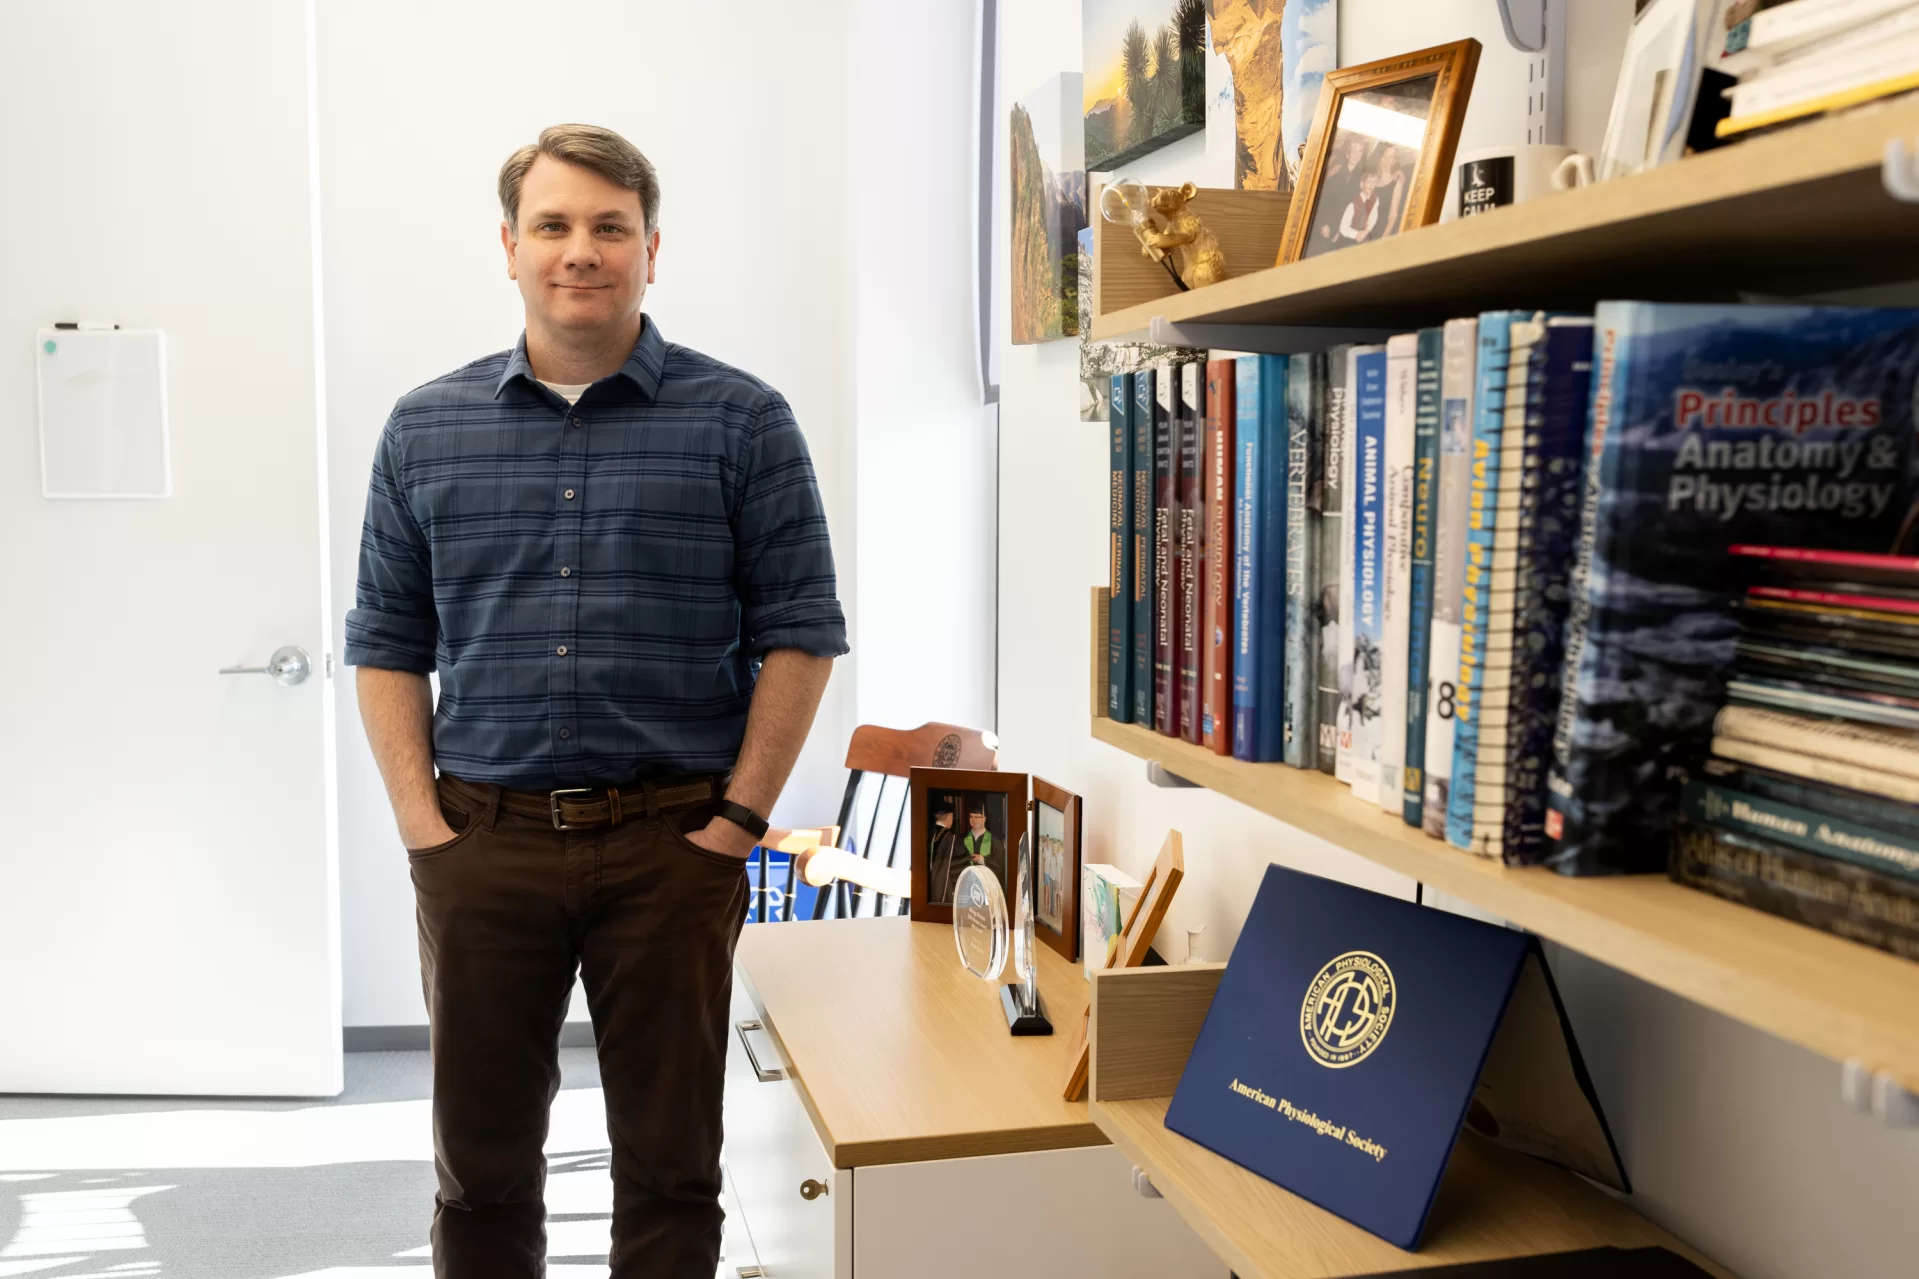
[{"x": 169, "y": 902}]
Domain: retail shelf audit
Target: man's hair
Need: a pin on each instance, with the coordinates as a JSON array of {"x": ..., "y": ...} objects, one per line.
[{"x": 591, "y": 147}]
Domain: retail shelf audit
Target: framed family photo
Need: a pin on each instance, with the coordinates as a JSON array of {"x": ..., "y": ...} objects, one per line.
[
  {"x": 1380, "y": 151},
  {"x": 962, "y": 817},
  {"x": 1056, "y": 865}
]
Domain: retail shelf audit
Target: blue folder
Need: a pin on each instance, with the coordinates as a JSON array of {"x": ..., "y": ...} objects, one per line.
[{"x": 1353, "y": 1033}]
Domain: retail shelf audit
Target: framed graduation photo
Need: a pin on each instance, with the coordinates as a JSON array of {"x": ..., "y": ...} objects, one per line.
[
  {"x": 1380, "y": 150},
  {"x": 1056, "y": 864},
  {"x": 962, "y": 817}
]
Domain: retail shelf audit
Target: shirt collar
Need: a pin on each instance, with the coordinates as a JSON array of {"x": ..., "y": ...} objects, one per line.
[{"x": 642, "y": 368}]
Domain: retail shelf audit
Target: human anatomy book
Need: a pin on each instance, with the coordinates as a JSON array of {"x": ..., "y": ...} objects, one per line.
[{"x": 1711, "y": 426}]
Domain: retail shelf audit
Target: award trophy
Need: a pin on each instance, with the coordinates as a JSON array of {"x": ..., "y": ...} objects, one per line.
[
  {"x": 1025, "y": 1015},
  {"x": 979, "y": 923}
]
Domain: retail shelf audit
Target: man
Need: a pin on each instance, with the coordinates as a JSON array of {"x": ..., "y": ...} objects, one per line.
[
  {"x": 941, "y": 871},
  {"x": 977, "y": 844},
  {"x": 598, "y": 540}
]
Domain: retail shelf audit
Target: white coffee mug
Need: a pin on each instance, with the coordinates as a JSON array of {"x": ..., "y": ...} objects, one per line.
[{"x": 1493, "y": 177}]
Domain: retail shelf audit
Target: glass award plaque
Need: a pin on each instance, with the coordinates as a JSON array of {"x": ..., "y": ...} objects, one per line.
[
  {"x": 980, "y": 926},
  {"x": 1025, "y": 1015}
]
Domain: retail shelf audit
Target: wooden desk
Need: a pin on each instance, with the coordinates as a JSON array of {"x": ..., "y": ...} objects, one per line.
[{"x": 902, "y": 1054}]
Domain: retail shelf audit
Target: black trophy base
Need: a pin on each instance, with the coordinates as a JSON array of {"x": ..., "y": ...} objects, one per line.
[{"x": 1021, "y": 1020}]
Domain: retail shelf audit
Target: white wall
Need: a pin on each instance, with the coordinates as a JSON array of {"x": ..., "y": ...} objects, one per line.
[
  {"x": 744, "y": 112},
  {"x": 1735, "y": 1140}
]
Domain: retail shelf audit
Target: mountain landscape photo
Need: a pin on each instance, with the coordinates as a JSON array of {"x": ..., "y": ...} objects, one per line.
[{"x": 1048, "y": 180}]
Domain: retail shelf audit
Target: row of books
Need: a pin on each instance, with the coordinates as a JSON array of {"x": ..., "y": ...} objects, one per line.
[
  {"x": 1480, "y": 572},
  {"x": 1806, "y": 807},
  {"x": 1803, "y": 57}
]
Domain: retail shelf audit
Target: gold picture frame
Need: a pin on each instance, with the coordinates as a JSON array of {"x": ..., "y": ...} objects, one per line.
[{"x": 1381, "y": 149}]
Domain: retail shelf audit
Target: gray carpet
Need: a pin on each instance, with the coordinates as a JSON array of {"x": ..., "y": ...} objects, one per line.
[{"x": 284, "y": 1211}]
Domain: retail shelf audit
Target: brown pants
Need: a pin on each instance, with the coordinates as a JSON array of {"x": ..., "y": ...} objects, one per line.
[{"x": 507, "y": 910}]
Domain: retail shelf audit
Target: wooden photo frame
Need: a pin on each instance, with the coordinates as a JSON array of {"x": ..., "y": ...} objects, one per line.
[
  {"x": 942, "y": 849},
  {"x": 1135, "y": 939},
  {"x": 1054, "y": 821},
  {"x": 1381, "y": 150}
]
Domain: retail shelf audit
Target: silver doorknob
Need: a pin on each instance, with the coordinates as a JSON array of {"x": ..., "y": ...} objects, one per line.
[
  {"x": 811, "y": 1190},
  {"x": 288, "y": 666}
]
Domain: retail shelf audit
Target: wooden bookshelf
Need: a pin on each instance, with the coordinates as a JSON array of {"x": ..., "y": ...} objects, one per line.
[
  {"x": 1836, "y": 997},
  {"x": 1796, "y": 211},
  {"x": 1492, "y": 1203}
]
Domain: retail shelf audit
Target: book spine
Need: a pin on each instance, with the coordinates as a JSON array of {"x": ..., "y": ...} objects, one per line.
[
  {"x": 1771, "y": 27},
  {"x": 1420, "y": 580},
  {"x": 1191, "y": 565},
  {"x": 1146, "y": 461},
  {"x": 1830, "y": 771},
  {"x": 1216, "y": 639},
  {"x": 1334, "y": 547},
  {"x": 1246, "y": 579},
  {"x": 1449, "y": 563},
  {"x": 1270, "y": 744},
  {"x": 1303, "y": 398},
  {"x": 1402, "y": 398},
  {"x": 1833, "y": 896},
  {"x": 1548, "y": 515},
  {"x": 1476, "y": 591},
  {"x": 1803, "y": 828},
  {"x": 1876, "y": 813},
  {"x": 1369, "y": 535},
  {"x": 1119, "y": 655},
  {"x": 1889, "y": 750},
  {"x": 1166, "y": 542},
  {"x": 1835, "y": 599}
]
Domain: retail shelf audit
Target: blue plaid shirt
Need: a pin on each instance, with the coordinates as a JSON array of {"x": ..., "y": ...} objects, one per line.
[{"x": 595, "y": 584}]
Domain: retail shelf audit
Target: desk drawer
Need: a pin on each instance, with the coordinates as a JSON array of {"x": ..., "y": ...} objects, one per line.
[{"x": 774, "y": 1158}]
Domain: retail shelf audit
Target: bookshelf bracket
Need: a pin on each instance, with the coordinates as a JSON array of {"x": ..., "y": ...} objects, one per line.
[
  {"x": 1159, "y": 775},
  {"x": 1898, "y": 170}
]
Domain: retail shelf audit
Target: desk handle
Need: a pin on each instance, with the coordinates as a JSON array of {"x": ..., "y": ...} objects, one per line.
[
  {"x": 811, "y": 1190},
  {"x": 760, "y": 1072}
]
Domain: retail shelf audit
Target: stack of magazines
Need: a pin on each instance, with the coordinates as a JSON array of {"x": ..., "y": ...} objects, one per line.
[
  {"x": 1806, "y": 808},
  {"x": 1804, "y": 57}
]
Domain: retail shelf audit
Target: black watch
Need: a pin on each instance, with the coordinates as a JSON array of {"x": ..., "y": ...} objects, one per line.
[{"x": 742, "y": 816}]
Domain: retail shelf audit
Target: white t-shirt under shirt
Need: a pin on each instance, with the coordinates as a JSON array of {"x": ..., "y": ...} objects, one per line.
[{"x": 571, "y": 394}]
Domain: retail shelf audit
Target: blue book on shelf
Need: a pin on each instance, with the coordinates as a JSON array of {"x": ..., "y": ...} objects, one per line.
[
  {"x": 1269, "y": 654},
  {"x": 1432, "y": 344},
  {"x": 1489, "y": 419},
  {"x": 1145, "y": 485},
  {"x": 1369, "y": 565},
  {"x": 1353, "y": 1034},
  {"x": 1709, "y": 425},
  {"x": 1304, "y": 393},
  {"x": 1247, "y": 584},
  {"x": 1119, "y": 595}
]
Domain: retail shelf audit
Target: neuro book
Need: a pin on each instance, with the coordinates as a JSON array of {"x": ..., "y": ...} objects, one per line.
[
  {"x": 1710, "y": 426},
  {"x": 1449, "y": 563},
  {"x": 1119, "y": 596},
  {"x": 1189, "y": 569},
  {"x": 1146, "y": 472},
  {"x": 1166, "y": 543}
]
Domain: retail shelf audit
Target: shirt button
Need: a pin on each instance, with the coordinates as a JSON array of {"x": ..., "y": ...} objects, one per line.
[
  {"x": 565, "y": 733},
  {"x": 566, "y": 572},
  {"x": 562, "y": 650},
  {"x": 579, "y": 421},
  {"x": 569, "y": 495}
]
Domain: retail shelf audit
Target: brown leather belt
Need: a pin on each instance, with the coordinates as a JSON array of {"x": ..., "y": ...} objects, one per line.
[{"x": 587, "y": 807}]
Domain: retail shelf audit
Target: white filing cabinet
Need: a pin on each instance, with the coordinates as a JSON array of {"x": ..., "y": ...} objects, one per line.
[{"x": 1034, "y": 1215}]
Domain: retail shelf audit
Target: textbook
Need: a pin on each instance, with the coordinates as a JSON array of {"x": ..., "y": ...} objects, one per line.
[
  {"x": 1710, "y": 426},
  {"x": 1827, "y": 834},
  {"x": 1269, "y": 656},
  {"x": 1365, "y": 703},
  {"x": 1396, "y": 566},
  {"x": 1146, "y": 463},
  {"x": 1216, "y": 629},
  {"x": 1426, "y": 414},
  {"x": 1456, "y": 386},
  {"x": 1335, "y": 552},
  {"x": 1249, "y": 581},
  {"x": 1305, "y": 394},
  {"x": 1119, "y": 654},
  {"x": 1166, "y": 717},
  {"x": 1189, "y": 570}
]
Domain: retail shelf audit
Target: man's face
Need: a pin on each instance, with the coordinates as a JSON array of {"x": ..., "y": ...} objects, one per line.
[
  {"x": 977, "y": 821},
  {"x": 944, "y": 821},
  {"x": 580, "y": 254}
]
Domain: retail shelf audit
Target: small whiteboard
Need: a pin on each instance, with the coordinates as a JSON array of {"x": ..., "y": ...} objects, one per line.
[{"x": 103, "y": 413}]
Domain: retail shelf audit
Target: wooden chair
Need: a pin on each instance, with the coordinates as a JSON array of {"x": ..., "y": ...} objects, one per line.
[{"x": 873, "y": 818}]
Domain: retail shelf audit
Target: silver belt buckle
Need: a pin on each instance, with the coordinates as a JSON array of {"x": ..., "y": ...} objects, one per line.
[{"x": 553, "y": 806}]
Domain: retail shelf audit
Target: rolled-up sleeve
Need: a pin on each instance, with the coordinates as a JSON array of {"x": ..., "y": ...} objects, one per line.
[
  {"x": 393, "y": 624},
  {"x": 783, "y": 557}
]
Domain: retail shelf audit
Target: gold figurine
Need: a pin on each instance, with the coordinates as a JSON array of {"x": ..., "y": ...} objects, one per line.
[{"x": 1173, "y": 228}]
